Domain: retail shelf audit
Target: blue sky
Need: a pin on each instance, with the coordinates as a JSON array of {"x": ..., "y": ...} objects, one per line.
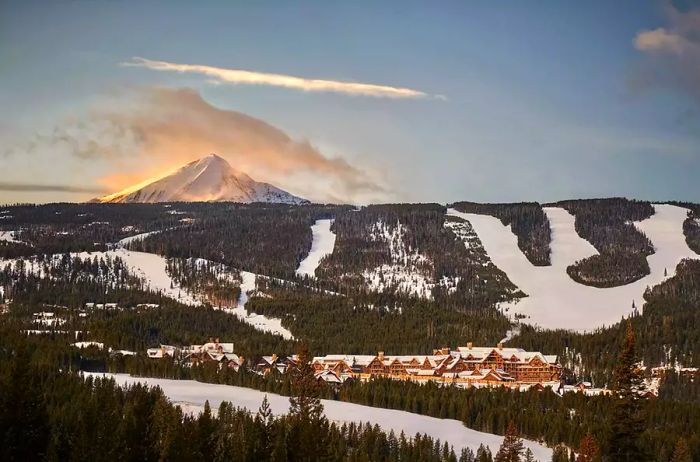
[{"x": 543, "y": 100}]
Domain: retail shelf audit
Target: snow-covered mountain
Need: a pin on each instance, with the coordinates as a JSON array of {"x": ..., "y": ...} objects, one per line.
[{"x": 210, "y": 178}]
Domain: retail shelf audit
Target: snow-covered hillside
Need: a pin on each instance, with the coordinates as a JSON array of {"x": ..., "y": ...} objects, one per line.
[
  {"x": 554, "y": 299},
  {"x": 192, "y": 395},
  {"x": 322, "y": 244},
  {"x": 410, "y": 272},
  {"x": 152, "y": 269},
  {"x": 210, "y": 178}
]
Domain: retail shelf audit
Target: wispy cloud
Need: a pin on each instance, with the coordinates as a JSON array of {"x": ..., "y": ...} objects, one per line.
[
  {"x": 28, "y": 187},
  {"x": 673, "y": 52},
  {"x": 243, "y": 77}
]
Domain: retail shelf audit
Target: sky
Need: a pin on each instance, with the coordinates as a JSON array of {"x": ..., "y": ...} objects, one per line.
[{"x": 354, "y": 102}]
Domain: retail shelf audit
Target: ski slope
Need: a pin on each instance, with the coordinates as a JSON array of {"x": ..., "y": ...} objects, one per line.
[
  {"x": 258, "y": 321},
  {"x": 138, "y": 237},
  {"x": 150, "y": 267},
  {"x": 192, "y": 395},
  {"x": 322, "y": 244},
  {"x": 557, "y": 301}
]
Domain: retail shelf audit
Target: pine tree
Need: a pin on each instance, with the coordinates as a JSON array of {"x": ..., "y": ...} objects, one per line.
[
  {"x": 307, "y": 428},
  {"x": 560, "y": 454},
  {"x": 512, "y": 446},
  {"x": 306, "y": 389},
  {"x": 23, "y": 422},
  {"x": 467, "y": 455},
  {"x": 682, "y": 452},
  {"x": 588, "y": 450},
  {"x": 627, "y": 424},
  {"x": 483, "y": 454},
  {"x": 265, "y": 420},
  {"x": 207, "y": 432},
  {"x": 529, "y": 456}
]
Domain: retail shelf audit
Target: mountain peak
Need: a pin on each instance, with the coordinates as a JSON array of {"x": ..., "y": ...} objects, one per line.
[
  {"x": 210, "y": 178},
  {"x": 213, "y": 157}
]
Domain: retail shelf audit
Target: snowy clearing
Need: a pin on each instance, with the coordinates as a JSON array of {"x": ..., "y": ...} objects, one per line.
[
  {"x": 258, "y": 321},
  {"x": 191, "y": 395},
  {"x": 8, "y": 236},
  {"x": 554, "y": 299},
  {"x": 322, "y": 244}
]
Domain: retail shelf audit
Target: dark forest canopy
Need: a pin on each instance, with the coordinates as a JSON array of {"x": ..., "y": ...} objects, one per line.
[{"x": 607, "y": 225}]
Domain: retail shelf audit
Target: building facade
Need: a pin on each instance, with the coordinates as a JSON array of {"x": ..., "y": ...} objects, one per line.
[{"x": 465, "y": 366}]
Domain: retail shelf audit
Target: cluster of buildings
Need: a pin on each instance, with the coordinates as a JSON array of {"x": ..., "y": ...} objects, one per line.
[
  {"x": 115, "y": 306},
  {"x": 195, "y": 355},
  {"x": 464, "y": 367}
]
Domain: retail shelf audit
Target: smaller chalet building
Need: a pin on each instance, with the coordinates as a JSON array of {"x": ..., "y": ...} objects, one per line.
[
  {"x": 213, "y": 351},
  {"x": 267, "y": 364},
  {"x": 162, "y": 352}
]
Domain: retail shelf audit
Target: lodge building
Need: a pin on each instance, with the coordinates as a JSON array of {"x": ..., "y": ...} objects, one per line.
[{"x": 465, "y": 366}]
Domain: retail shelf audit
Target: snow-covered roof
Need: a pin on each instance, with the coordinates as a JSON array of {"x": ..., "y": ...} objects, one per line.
[{"x": 89, "y": 344}]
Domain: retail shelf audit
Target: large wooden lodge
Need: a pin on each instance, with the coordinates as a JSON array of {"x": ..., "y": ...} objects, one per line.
[{"x": 465, "y": 366}]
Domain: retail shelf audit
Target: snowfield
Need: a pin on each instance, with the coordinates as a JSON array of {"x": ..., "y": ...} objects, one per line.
[
  {"x": 554, "y": 299},
  {"x": 191, "y": 396},
  {"x": 322, "y": 244}
]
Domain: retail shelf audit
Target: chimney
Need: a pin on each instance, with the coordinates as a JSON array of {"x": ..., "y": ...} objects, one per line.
[
  {"x": 380, "y": 355},
  {"x": 274, "y": 357},
  {"x": 500, "y": 346},
  {"x": 470, "y": 345}
]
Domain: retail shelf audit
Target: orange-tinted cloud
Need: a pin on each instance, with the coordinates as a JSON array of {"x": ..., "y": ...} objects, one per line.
[{"x": 159, "y": 129}]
